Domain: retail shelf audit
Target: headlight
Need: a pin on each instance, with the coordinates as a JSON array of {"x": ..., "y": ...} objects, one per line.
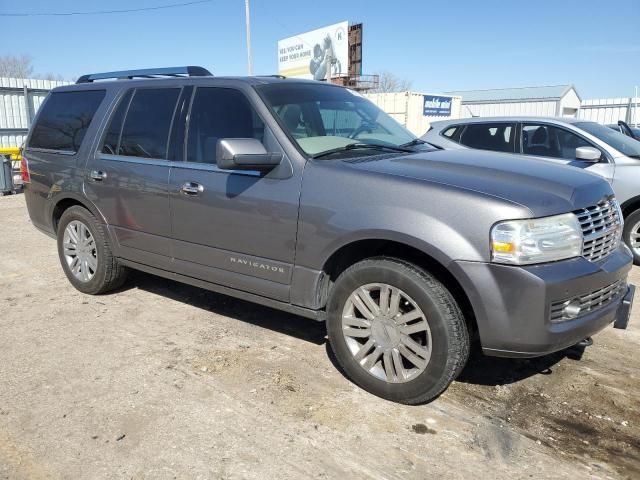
[{"x": 536, "y": 240}]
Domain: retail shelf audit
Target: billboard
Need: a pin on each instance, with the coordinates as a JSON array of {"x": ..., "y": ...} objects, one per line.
[
  {"x": 314, "y": 54},
  {"x": 437, "y": 106}
]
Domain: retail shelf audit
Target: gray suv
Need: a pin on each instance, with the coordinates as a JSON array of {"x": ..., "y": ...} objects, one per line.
[
  {"x": 305, "y": 197},
  {"x": 567, "y": 141}
]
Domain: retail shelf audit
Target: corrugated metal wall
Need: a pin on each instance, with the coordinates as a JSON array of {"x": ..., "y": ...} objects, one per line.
[
  {"x": 16, "y": 110},
  {"x": 610, "y": 110},
  {"x": 601, "y": 110},
  {"x": 506, "y": 109}
]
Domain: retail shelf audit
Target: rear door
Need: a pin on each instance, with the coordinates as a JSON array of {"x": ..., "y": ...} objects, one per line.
[
  {"x": 558, "y": 145},
  {"x": 127, "y": 178},
  {"x": 235, "y": 228}
]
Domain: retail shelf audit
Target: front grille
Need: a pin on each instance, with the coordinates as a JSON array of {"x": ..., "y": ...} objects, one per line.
[
  {"x": 601, "y": 228},
  {"x": 587, "y": 303}
]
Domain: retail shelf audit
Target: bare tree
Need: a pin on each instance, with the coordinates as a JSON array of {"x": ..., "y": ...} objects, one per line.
[
  {"x": 50, "y": 76},
  {"x": 16, "y": 66},
  {"x": 389, "y": 82}
]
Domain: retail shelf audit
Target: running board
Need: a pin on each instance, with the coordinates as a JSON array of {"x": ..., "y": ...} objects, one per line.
[{"x": 317, "y": 315}]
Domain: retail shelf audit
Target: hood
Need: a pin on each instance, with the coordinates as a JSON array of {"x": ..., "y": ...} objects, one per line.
[{"x": 544, "y": 188}]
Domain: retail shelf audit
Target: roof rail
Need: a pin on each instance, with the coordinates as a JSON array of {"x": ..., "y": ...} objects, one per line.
[
  {"x": 190, "y": 71},
  {"x": 276, "y": 75}
]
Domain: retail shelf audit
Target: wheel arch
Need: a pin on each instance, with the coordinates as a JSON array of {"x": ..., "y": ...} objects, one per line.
[
  {"x": 630, "y": 206},
  {"x": 414, "y": 251},
  {"x": 66, "y": 201}
]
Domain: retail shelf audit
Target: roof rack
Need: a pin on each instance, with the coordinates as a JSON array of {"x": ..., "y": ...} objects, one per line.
[
  {"x": 190, "y": 71},
  {"x": 272, "y": 76}
]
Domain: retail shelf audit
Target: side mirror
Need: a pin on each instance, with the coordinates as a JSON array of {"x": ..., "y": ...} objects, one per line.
[
  {"x": 245, "y": 154},
  {"x": 588, "y": 154}
]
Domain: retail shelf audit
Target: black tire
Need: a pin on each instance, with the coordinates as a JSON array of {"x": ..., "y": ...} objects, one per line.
[
  {"x": 629, "y": 223},
  {"x": 109, "y": 274},
  {"x": 449, "y": 334}
]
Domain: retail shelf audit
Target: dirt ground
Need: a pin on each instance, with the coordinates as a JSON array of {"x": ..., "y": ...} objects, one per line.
[{"x": 162, "y": 380}]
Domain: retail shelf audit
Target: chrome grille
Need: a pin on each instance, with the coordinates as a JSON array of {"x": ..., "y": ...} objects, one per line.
[
  {"x": 587, "y": 303},
  {"x": 601, "y": 228}
]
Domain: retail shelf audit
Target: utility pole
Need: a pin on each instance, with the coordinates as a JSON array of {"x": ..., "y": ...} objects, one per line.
[
  {"x": 248, "y": 22},
  {"x": 635, "y": 110}
]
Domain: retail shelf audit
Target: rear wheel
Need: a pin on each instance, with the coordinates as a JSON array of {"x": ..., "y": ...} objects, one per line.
[
  {"x": 85, "y": 253},
  {"x": 396, "y": 330},
  {"x": 631, "y": 235}
]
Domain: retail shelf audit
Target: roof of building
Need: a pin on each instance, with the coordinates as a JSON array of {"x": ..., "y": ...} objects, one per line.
[
  {"x": 510, "y": 119},
  {"x": 548, "y": 92}
]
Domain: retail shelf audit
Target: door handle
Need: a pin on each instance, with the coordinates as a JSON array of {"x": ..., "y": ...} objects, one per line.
[
  {"x": 192, "y": 188},
  {"x": 98, "y": 175}
]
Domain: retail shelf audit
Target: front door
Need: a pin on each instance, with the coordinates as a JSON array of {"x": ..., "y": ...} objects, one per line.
[
  {"x": 559, "y": 145},
  {"x": 235, "y": 228},
  {"x": 127, "y": 179}
]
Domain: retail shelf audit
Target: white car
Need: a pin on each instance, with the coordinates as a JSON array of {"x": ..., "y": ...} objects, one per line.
[{"x": 579, "y": 143}]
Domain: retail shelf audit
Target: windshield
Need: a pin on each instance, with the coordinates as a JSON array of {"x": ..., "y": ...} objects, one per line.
[
  {"x": 322, "y": 118},
  {"x": 624, "y": 144}
]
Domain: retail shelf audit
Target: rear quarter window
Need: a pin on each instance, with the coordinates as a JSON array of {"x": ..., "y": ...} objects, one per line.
[
  {"x": 453, "y": 132},
  {"x": 450, "y": 132},
  {"x": 64, "y": 120}
]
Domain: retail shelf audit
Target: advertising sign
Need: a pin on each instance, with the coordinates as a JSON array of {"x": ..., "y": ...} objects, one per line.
[
  {"x": 437, "y": 106},
  {"x": 314, "y": 54}
]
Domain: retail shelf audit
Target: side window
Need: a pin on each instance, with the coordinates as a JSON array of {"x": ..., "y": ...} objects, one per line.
[
  {"x": 111, "y": 143},
  {"x": 549, "y": 141},
  {"x": 219, "y": 113},
  {"x": 568, "y": 142},
  {"x": 499, "y": 137},
  {"x": 146, "y": 128},
  {"x": 64, "y": 120}
]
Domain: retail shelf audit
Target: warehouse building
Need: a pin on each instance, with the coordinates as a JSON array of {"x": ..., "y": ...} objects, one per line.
[
  {"x": 19, "y": 102},
  {"x": 544, "y": 101}
]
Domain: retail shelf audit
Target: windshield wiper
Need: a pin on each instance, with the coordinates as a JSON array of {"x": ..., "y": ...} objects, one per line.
[
  {"x": 358, "y": 146},
  {"x": 413, "y": 143}
]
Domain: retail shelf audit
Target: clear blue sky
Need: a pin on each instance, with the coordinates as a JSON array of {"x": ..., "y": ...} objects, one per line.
[{"x": 439, "y": 45}]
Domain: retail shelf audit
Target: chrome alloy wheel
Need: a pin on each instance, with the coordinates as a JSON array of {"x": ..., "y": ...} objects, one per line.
[
  {"x": 386, "y": 332},
  {"x": 634, "y": 239},
  {"x": 80, "y": 252}
]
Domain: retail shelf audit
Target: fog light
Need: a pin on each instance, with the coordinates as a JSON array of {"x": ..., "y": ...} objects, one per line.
[{"x": 572, "y": 310}]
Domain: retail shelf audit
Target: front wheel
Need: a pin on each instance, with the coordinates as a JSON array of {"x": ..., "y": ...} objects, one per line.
[{"x": 396, "y": 330}]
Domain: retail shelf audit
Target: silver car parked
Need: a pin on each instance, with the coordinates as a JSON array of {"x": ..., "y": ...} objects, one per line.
[{"x": 588, "y": 145}]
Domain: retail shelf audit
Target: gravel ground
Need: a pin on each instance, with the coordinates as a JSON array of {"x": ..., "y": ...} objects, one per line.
[{"x": 162, "y": 380}]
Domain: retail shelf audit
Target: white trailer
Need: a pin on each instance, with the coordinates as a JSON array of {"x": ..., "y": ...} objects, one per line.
[{"x": 417, "y": 110}]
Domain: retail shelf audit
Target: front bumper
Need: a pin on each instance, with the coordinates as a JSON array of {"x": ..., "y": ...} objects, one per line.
[{"x": 512, "y": 303}]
